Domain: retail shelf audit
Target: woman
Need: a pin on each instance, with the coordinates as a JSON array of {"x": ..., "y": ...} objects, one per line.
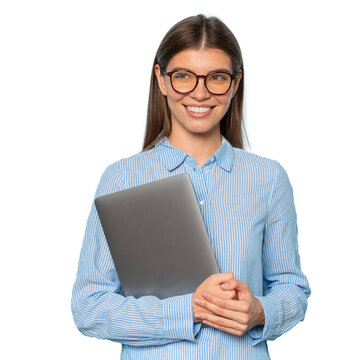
[{"x": 194, "y": 125}]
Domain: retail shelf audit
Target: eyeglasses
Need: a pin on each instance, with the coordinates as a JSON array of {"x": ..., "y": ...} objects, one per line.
[{"x": 185, "y": 81}]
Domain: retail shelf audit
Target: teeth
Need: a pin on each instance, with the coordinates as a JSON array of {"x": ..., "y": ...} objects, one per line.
[{"x": 198, "y": 109}]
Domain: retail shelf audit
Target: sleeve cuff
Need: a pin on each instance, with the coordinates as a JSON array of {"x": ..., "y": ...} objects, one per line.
[
  {"x": 178, "y": 318},
  {"x": 264, "y": 332},
  {"x": 256, "y": 334}
]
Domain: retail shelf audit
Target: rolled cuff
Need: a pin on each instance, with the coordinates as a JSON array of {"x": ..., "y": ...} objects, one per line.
[
  {"x": 264, "y": 332},
  {"x": 178, "y": 318}
]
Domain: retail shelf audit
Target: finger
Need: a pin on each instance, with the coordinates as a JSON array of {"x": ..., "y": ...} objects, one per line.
[
  {"x": 198, "y": 309},
  {"x": 236, "y": 305},
  {"x": 229, "y": 330},
  {"x": 229, "y": 285},
  {"x": 234, "y": 284},
  {"x": 221, "y": 321},
  {"x": 221, "y": 277},
  {"x": 241, "y": 288},
  {"x": 235, "y": 315},
  {"x": 225, "y": 294}
]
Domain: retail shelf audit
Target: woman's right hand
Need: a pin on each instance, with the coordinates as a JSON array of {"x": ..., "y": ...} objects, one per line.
[{"x": 212, "y": 285}]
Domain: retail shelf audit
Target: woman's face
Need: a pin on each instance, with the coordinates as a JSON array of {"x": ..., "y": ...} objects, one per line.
[{"x": 200, "y": 62}]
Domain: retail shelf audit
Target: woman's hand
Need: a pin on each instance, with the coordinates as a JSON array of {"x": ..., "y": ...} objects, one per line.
[
  {"x": 233, "y": 316},
  {"x": 212, "y": 285}
]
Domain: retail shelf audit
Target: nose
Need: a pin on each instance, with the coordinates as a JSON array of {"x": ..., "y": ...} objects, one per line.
[{"x": 200, "y": 91}]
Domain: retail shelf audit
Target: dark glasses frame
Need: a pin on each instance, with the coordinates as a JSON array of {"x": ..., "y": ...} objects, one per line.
[{"x": 170, "y": 73}]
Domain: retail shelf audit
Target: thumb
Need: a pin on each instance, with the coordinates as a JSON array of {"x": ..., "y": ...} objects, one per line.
[
  {"x": 240, "y": 285},
  {"x": 222, "y": 277},
  {"x": 242, "y": 290},
  {"x": 234, "y": 284}
]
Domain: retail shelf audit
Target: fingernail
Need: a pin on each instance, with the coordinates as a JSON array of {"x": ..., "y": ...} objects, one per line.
[
  {"x": 226, "y": 285},
  {"x": 197, "y": 301}
]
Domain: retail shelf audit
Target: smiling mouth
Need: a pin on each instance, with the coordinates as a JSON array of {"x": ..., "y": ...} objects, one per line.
[{"x": 199, "y": 109}]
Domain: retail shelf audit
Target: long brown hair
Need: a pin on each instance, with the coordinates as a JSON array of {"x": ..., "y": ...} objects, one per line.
[{"x": 195, "y": 32}]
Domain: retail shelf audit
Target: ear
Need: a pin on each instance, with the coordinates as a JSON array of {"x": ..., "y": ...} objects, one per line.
[
  {"x": 160, "y": 80},
  {"x": 237, "y": 82}
]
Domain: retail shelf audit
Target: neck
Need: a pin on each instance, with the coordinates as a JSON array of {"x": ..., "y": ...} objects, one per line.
[{"x": 201, "y": 146}]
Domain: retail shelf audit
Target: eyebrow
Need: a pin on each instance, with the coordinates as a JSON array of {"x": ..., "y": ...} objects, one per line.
[{"x": 217, "y": 70}]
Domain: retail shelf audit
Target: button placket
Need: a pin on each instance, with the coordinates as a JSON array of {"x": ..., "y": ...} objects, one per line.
[
  {"x": 200, "y": 183},
  {"x": 203, "y": 188},
  {"x": 200, "y": 179}
]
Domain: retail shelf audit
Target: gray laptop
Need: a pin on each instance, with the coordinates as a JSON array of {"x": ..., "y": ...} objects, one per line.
[{"x": 157, "y": 238}]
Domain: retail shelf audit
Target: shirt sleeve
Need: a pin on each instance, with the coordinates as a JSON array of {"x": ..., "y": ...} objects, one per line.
[
  {"x": 286, "y": 288},
  {"x": 98, "y": 305}
]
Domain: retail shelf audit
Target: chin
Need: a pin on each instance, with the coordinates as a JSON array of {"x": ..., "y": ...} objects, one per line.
[{"x": 201, "y": 130}]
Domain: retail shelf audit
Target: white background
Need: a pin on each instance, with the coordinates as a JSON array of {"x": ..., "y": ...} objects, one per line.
[{"x": 74, "y": 81}]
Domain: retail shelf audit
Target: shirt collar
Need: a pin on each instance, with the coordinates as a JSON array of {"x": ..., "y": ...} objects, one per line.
[{"x": 172, "y": 157}]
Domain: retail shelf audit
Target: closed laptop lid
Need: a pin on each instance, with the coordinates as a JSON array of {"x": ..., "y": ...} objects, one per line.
[{"x": 157, "y": 237}]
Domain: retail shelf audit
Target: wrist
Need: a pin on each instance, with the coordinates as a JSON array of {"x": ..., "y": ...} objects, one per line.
[{"x": 260, "y": 312}]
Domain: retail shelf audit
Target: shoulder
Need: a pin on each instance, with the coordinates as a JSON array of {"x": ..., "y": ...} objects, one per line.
[
  {"x": 263, "y": 173},
  {"x": 136, "y": 160},
  {"x": 256, "y": 164},
  {"x": 117, "y": 175}
]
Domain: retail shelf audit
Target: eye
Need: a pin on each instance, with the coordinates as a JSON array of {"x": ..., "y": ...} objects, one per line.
[
  {"x": 181, "y": 75},
  {"x": 218, "y": 77}
]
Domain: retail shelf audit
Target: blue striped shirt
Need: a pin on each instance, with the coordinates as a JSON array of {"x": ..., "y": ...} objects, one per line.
[{"x": 248, "y": 209}]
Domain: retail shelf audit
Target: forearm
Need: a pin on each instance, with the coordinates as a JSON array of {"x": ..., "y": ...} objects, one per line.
[
  {"x": 138, "y": 322},
  {"x": 284, "y": 306}
]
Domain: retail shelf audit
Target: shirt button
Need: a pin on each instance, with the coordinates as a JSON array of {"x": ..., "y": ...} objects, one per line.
[
  {"x": 206, "y": 171},
  {"x": 202, "y": 202}
]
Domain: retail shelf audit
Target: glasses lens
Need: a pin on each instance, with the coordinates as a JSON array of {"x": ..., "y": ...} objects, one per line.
[
  {"x": 218, "y": 83},
  {"x": 183, "y": 81}
]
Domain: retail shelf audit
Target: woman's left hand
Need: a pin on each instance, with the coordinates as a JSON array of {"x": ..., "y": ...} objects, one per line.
[{"x": 233, "y": 316}]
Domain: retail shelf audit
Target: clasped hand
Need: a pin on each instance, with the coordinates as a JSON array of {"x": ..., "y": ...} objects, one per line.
[{"x": 227, "y": 304}]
